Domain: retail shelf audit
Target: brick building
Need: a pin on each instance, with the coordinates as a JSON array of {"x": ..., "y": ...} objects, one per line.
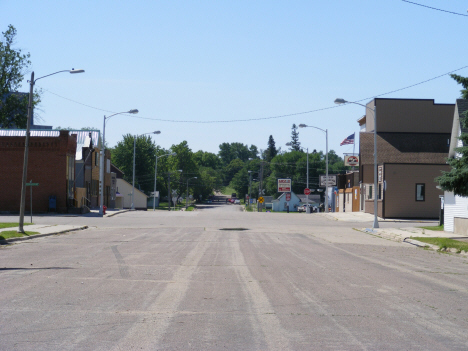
[
  {"x": 51, "y": 163},
  {"x": 412, "y": 146}
]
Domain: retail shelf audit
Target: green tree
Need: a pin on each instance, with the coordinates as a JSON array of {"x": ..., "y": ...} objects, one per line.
[
  {"x": 271, "y": 150},
  {"x": 145, "y": 151},
  {"x": 295, "y": 144},
  {"x": 184, "y": 161},
  {"x": 207, "y": 159},
  {"x": 13, "y": 66},
  {"x": 231, "y": 151},
  {"x": 231, "y": 169},
  {"x": 456, "y": 179},
  {"x": 240, "y": 182}
]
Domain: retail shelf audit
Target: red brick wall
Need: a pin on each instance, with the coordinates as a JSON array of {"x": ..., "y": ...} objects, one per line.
[{"x": 46, "y": 166}]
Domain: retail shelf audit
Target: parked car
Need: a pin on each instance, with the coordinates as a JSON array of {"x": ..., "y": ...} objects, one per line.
[
  {"x": 233, "y": 195},
  {"x": 303, "y": 208},
  {"x": 236, "y": 202}
]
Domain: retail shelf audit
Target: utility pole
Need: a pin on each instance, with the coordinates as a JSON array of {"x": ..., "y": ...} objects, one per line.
[
  {"x": 169, "y": 190},
  {"x": 259, "y": 205}
]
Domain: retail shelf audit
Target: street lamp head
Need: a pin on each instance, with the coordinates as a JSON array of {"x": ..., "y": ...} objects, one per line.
[
  {"x": 340, "y": 101},
  {"x": 195, "y": 177},
  {"x": 76, "y": 70},
  {"x": 179, "y": 170},
  {"x": 302, "y": 125},
  {"x": 173, "y": 154},
  {"x": 134, "y": 111},
  {"x": 157, "y": 132},
  {"x": 250, "y": 171}
]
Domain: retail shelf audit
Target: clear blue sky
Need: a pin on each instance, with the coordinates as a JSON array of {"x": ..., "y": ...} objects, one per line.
[{"x": 201, "y": 61}]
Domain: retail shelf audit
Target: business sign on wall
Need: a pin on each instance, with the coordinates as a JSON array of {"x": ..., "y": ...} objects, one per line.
[
  {"x": 331, "y": 180},
  {"x": 284, "y": 185},
  {"x": 351, "y": 160}
]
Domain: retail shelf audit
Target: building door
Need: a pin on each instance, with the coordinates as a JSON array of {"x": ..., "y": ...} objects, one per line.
[{"x": 356, "y": 198}]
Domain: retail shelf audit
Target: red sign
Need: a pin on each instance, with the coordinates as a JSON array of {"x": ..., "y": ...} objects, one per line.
[
  {"x": 351, "y": 160},
  {"x": 288, "y": 196},
  {"x": 306, "y": 191},
  {"x": 284, "y": 185}
]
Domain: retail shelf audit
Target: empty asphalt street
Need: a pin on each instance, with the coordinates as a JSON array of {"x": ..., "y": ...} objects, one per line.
[{"x": 222, "y": 279}]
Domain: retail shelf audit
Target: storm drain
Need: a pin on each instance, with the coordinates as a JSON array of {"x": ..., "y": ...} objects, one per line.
[{"x": 236, "y": 229}]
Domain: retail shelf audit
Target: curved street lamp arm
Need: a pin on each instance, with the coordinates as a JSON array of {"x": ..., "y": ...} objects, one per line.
[{"x": 65, "y": 70}]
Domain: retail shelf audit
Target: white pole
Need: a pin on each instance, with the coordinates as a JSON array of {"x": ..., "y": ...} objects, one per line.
[
  {"x": 376, "y": 181},
  {"x": 101, "y": 170},
  {"x": 26, "y": 153},
  {"x": 307, "y": 208},
  {"x": 133, "y": 185},
  {"x": 326, "y": 165},
  {"x": 154, "y": 194}
]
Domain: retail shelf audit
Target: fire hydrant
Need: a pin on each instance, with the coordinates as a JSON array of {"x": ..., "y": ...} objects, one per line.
[{"x": 104, "y": 208}]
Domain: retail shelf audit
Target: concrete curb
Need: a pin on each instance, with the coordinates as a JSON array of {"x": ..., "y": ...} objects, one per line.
[
  {"x": 24, "y": 238},
  {"x": 116, "y": 213},
  {"x": 408, "y": 240}
]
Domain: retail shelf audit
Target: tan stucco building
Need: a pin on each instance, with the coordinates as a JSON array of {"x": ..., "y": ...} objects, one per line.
[{"x": 413, "y": 139}]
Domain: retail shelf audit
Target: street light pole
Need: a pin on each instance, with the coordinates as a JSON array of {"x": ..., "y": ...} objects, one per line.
[
  {"x": 326, "y": 161},
  {"x": 169, "y": 187},
  {"x": 134, "y": 151},
  {"x": 26, "y": 143},
  {"x": 155, "y": 172},
  {"x": 101, "y": 161},
  {"x": 186, "y": 198},
  {"x": 376, "y": 181},
  {"x": 250, "y": 186}
]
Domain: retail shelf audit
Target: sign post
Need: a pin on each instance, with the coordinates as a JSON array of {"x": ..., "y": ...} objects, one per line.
[{"x": 31, "y": 184}]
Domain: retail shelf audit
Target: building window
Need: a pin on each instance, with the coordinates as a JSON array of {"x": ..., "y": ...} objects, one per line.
[
  {"x": 370, "y": 192},
  {"x": 420, "y": 192},
  {"x": 380, "y": 191}
]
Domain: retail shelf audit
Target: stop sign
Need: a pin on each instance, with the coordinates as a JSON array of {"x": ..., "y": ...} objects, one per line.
[{"x": 306, "y": 191}]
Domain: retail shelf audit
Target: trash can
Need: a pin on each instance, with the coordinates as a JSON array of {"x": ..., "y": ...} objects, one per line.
[{"x": 52, "y": 203}]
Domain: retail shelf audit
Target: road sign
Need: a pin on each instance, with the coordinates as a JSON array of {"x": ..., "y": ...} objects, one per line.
[
  {"x": 306, "y": 191},
  {"x": 288, "y": 196},
  {"x": 261, "y": 199},
  {"x": 154, "y": 194},
  {"x": 331, "y": 180},
  {"x": 284, "y": 185},
  {"x": 32, "y": 184},
  {"x": 262, "y": 192}
]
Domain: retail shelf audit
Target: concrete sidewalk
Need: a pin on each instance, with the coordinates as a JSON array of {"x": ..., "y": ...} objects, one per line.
[
  {"x": 367, "y": 217},
  {"x": 43, "y": 230}
]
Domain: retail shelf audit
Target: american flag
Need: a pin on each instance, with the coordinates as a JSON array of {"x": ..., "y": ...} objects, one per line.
[{"x": 348, "y": 140}]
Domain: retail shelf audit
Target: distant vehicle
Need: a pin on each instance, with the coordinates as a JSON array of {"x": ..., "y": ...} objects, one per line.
[
  {"x": 236, "y": 202},
  {"x": 233, "y": 195},
  {"x": 303, "y": 208}
]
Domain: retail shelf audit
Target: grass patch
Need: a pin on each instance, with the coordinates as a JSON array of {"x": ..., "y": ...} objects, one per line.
[
  {"x": 12, "y": 225},
  {"x": 8, "y": 234},
  {"x": 437, "y": 228},
  {"x": 164, "y": 206},
  {"x": 445, "y": 243},
  {"x": 227, "y": 190},
  {"x": 190, "y": 208}
]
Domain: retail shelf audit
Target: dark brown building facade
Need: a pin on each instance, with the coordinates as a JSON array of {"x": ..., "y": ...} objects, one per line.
[{"x": 412, "y": 147}]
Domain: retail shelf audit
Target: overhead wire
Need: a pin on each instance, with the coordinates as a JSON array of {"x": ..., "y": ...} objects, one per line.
[
  {"x": 258, "y": 118},
  {"x": 435, "y": 8}
]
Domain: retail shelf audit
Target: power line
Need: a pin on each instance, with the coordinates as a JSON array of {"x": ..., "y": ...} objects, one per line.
[
  {"x": 435, "y": 8},
  {"x": 258, "y": 118}
]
